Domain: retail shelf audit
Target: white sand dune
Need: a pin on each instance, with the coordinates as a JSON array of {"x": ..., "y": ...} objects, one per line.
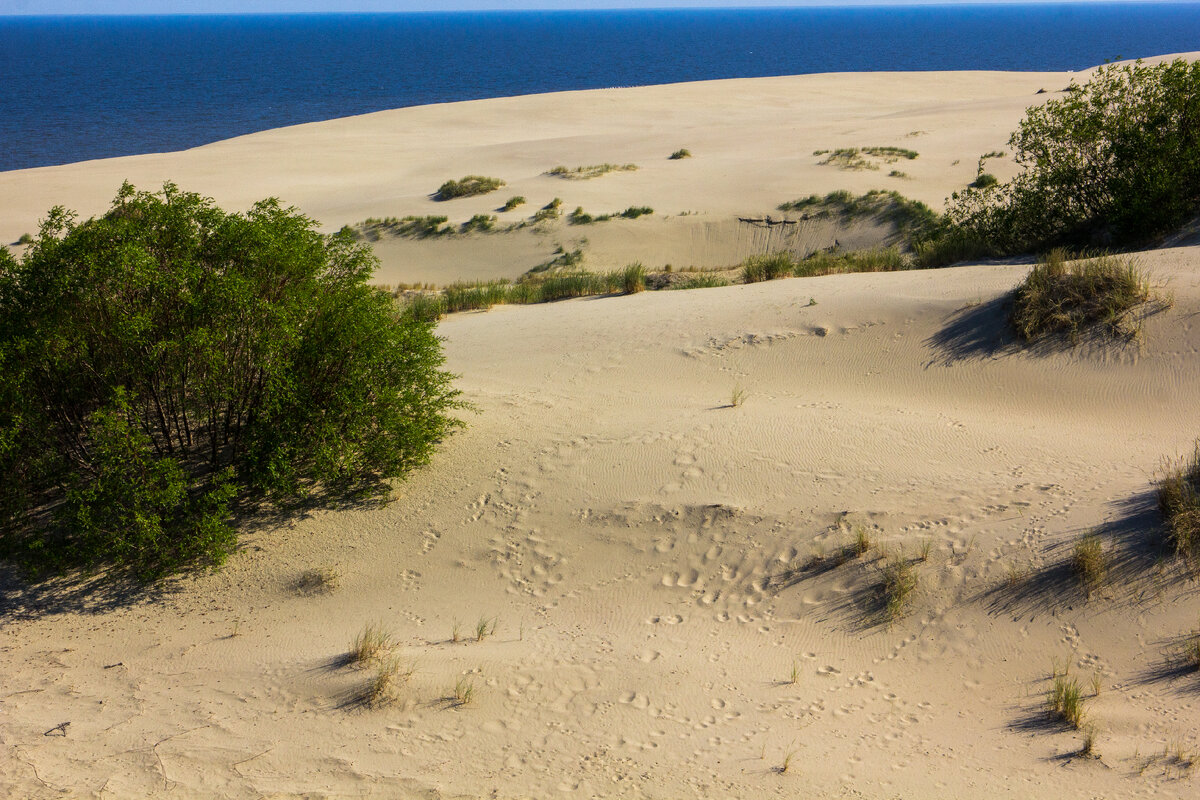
[{"x": 640, "y": 541}]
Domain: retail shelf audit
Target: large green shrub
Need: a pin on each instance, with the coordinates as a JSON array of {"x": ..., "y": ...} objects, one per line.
[
  {"x": 1115, "y": 163},
  {"x": 168, "y": 359}
]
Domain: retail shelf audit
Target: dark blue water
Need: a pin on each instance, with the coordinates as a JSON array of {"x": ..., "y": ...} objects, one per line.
[{"x": 75, "y": 88}]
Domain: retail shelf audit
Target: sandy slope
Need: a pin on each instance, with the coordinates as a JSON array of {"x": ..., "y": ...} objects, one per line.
[
  {"x": 752, "y": 143},
  {"x": 640, "y": 542}
]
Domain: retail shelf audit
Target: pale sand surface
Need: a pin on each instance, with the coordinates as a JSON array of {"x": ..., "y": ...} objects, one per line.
[
  {"x": 632, "y": 532},
  {"x": 752, "y": 143}
]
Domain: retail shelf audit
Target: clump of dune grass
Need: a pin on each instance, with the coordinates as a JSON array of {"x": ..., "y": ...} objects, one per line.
[
  {"x": 1066, "y": 700},
  {"x": 862, "y": 540},
  {"x": 416, "y": 227},
  {"x": 390, "y": 677},
  {"x": 485, "y": 627},
  {"x": 701, "y": 281},
  {"x": 1088, "y": 748},
  {"x": 682, "y": 152},
  {"x": 1179, "y": 502},
  {"x": 464, "y": 691},
  {"x": 737, "y": 396},
  {"x": 549, "y": 212},
  {"x": 318, "y": 580},
  {"x": 480, "y": 222},
  {"x": 425, "y": 306},
  {"x": 832, "y": 262},
  {"x": 27, "y": 238},
  {"x": 891, "y": 154},
  {"x": 1061, "y": 298},
  {"x": 371, "y": 643},
  {"x": 467, "y": 186},
  {"x": 513, "y": 202},
  {"x": 767, "y": 267},
  {"x": 983, "y": 180},
  {"x": 633, "y": 279},
  {"x": 898, "y": 586},
  {"x": 1089, "y": 562},
  {"x": 590, "y": 171}
]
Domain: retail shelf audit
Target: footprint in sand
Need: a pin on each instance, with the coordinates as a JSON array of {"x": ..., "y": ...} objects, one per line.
[
  {"x": 646, "y": 656},
  {"x": 674, "y": 619},
  {"x": 639, "y": 701}
]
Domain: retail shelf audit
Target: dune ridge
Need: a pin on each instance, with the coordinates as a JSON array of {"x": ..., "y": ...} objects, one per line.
[{"x": 678, "y": 609}]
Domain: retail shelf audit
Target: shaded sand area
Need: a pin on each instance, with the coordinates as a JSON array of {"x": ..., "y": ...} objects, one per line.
[{"x": 677, "y": 607}]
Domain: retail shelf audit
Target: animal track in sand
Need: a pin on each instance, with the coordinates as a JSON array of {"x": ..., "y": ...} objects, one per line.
[{"x": 673, "y": 619}]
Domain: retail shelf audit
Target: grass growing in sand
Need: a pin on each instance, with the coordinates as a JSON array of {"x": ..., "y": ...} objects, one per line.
[
  {"x": 391, "y": 676},
  {"x": 371, "y": 643},
  {"x": 1061, "y": 298},
  {"x": 767, "y": 267},
  {"x": 512, "y": 202},
  {"x": 682, "y": 152},
  {"x": 549, "y": 212},
  {"x": 701, "y": 281},
  {"x": 1065, "y": 701},
  {"x": 468, "y": 186},
  {"x": 464, "y": 691},
  {"x": 590, "y": 171},
  {"x": 485, "y": 627},
  {"x": 1089, "y": 562},
  {"x": 410, "y": 226},
  {"x": 898, "y": 586},
  {"x": 737, "y": 396},
  {"x": 1179, "y": 502}
]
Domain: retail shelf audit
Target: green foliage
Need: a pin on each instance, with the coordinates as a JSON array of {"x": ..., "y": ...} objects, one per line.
[
  {"x": 513, "y": 202},
  {"x": 467, "y": 187},
  {"x": 169, "y": 359},
  {"x": 26, "y": 238},
  {"x": 1116, "y": 162},
  {"x": 682, "y": 152},
  {"x": 914, "y": 220},
  {"x": 633, "y": 212},
  {"x": 1068, "y": 298}
]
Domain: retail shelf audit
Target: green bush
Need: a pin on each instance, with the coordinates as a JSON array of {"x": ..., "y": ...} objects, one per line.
[
  {"x": 681, "y": 153},
  {"x": 513, "y": 202},
  {"x": 467, "y": 187},
  {"x": 168, "y": 359},
  {"x": 1115, "y": 163},
  {"x": 1068, "y": 298},
  {"x": 26, "y": 238},
  {"x": 633, "y": 212}
]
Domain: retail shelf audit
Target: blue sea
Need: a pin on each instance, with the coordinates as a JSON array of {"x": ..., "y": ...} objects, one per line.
[{"x": 76, "y": 88}]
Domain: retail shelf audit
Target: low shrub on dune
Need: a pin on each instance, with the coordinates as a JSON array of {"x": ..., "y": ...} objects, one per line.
[{"x": 1069, "y": 298}]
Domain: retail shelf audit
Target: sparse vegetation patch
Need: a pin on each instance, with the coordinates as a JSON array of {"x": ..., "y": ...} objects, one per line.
[
  {"x": 1069, "y": 298},
  {"x": 682, "y": 152},
  {"x": 590, "y": 171},
  {"x": 1179, "y": 502},
  {"x": 468, "y": 186}
]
